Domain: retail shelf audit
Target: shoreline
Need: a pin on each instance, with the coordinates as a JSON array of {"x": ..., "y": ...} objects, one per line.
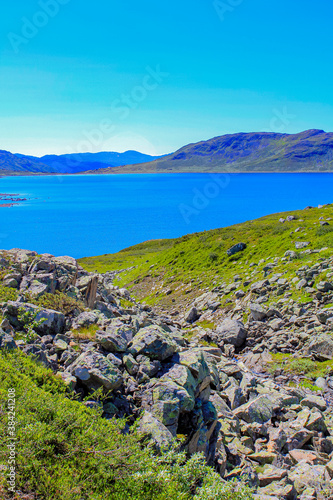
[{"x": 30, "y": 174}]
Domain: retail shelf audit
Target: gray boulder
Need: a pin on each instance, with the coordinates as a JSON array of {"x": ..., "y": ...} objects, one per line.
[
  {"x": 51, "y": 322},
  {"x": 95, "y": 370},
  {"x": 111, "y": 341},
  {"x": 154, "y": 342},
  {"x": 321, "y": 346},
  {"x": 6, "y": 341},
  {"x": 239, "y": 247},
  {"x": 258, "y": 313},
  {"x": 191, "y": 315},
  {"x": 154, "y": 429},
  {"x": 231, "y": 332},
  {"x": 258, "y": 410}
]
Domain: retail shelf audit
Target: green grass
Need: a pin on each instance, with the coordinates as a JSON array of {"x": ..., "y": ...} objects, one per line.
[
  {"x": 7, "y": 294},
  {"x": 65, "y": 451},
  {"x": 306, "y": 367},
  {"x": 197, "y": 261},
  {"x": 86, "y": 332},
  {"x": 132, "y": 256}
]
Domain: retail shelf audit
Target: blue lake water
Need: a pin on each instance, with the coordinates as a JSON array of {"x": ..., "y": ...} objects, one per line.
[{"x": 96, "y": 214}]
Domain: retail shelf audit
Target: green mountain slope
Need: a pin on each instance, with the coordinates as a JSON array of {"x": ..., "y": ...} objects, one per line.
[
  {"x": 173, "y": 272},
  {"x": 309, "y": 151}
]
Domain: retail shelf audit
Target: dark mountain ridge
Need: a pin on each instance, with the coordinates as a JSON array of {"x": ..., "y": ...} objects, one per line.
[
  {"x": 308, "y": 151},
  {"x": 69, "y": 163}
]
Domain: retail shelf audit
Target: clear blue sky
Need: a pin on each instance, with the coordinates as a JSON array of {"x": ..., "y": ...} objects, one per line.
[{"x": 247, "y": 65}]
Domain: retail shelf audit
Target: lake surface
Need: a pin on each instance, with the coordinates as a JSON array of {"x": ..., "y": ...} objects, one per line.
[{"x": 96, "y": 214}]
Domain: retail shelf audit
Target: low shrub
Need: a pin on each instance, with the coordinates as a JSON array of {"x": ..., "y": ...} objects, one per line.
[{"x": 65, "y": 451}]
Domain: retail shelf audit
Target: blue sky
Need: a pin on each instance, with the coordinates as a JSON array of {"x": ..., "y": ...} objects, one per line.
[{"x": 78, "y": 75}]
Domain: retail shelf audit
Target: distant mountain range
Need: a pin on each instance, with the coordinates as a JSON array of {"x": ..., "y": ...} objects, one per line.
[
  {"x": 309, "y": 151},
  {"x": 70, "y": 163}
]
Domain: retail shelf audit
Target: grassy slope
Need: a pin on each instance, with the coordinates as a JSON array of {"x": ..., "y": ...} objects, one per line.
[
  {"x": 65, "y": 451},
  {"x": 308, "y": 151},
  {"x": 198, "y": 262}
]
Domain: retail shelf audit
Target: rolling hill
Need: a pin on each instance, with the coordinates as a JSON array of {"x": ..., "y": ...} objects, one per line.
[
  {"x": 308, "y": 151},
  {"x": 14, "y": 164},
  {"x": 68, "y": 164}
]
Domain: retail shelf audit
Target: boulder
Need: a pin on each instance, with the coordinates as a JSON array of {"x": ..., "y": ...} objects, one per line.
[
  {"x": 259, "y": 410},
  {"x": 111, "y": 341},
  {"x": 86, "y": 319},
  {"x": 239, "y": 247},
  {"x": 50, "y": 322},
  {"x": 195, "y": 361},
  {"x": 154, "y": 429},
  {"x": 154, "y": 342},
  {"x": 321, "y": 346},
  {"x": 324, "y": 286},
  {"x": 6, "y": 341},
  {"x": 232, "y": 332},
  {"x": 191, "y": 315},
  {"x": 95, "y": 370},
  {"x": 258, "y": 313}
]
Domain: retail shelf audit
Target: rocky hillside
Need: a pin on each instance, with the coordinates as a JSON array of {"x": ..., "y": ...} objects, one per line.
[
  {"x": 240, "y": 371},
  {"x": 308, "y": 151}
]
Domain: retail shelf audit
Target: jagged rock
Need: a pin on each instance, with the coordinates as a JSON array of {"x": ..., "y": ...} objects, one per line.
[
  {"x": 312, "y": 401},
  {"x": 88, "y": 288},
  {"x": 66, "y": 271},
  {"x": 94, "y": 370},
  {"x": 231, "y": 332},
  {"x": 305, "y": 475},
  {"x": 258, "y": 313},
  {"x": 321, "y": 345},
  {"x": 280, "y": 491},
  {"x": 239, "y": 247},
  {"x": 51, "y": 322},
  {"x": 258, "y": 410},
  {"x": 86, "y": 319},
  {"x": 154, "y": 342},
  {"x": 131, "y": 365},
  {"x": 194, "y": 359},
  {"x": 182, "y": 376},
  {"x": 153, "y": 428},
  {"x": 60, "y": 345},
  {"x": 6, "y": 341},
  {"x": 111, "y": 341},
  {"x": 192, "y": 315},
  {"x": 324, "y": 286},
  {"x": 166, "y": 399},
  {"x": 271, "y": 474}
]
